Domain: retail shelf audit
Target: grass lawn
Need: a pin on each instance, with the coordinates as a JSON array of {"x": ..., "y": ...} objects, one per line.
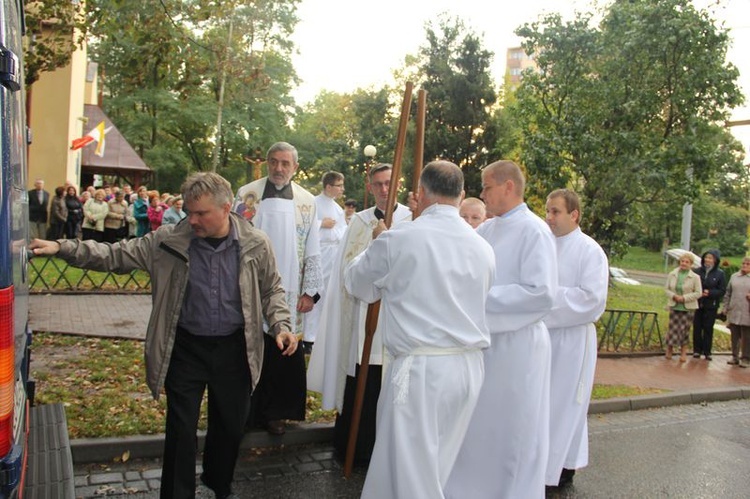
[
  {"x": 601, "y": 392},
  {"x": 653, "y": 261},
  {"x": 102, "y": 384},
  {"x": 642, "y": 259}
]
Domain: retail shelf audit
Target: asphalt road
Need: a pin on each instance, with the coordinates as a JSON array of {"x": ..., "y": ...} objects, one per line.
[
  {"x": 653, "y": 278},
  {"x": 693, "y": 451},
  {"x": 690, "y": 451}
]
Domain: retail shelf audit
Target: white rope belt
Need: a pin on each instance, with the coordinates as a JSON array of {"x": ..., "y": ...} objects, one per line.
[{"x": 400, "y": 377}]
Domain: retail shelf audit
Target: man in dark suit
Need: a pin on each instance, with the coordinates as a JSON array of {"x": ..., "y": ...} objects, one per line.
[{"x": 38, "y": 210}]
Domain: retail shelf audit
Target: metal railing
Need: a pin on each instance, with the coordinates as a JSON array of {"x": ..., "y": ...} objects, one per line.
[
  {"x": 635, "y": 330},
  {"x": 53, "y": 275}
]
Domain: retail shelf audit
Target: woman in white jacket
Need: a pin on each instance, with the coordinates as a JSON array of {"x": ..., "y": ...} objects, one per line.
[
  {"x": 94, "y": 212},
  {"x": 683, "y": 290}
]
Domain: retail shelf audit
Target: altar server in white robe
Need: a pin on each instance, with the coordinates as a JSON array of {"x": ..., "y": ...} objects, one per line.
[
  {"x": 504, "y": 454},
  {"x": 334, "y": 363},
  {"x": 332, "y": 226},
  {"x": 432, "y": 275},
  {"x": 285, "y": 211},
  {"x": 583, "y": 272}
]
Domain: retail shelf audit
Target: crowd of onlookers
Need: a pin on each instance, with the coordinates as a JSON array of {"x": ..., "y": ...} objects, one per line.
[{"x": 105, "y": 214}]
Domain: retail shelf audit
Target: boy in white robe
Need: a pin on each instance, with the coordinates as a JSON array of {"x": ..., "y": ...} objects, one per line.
[
  {"x": 332, "y": 226},
  {"x": 583, "y": 272},
  {"x": 504, "y": 454},
  {"x": 433, "y": 276}
]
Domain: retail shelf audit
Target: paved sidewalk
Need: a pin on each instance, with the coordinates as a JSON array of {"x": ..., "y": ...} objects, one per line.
[{"x": 107, "y": 315}]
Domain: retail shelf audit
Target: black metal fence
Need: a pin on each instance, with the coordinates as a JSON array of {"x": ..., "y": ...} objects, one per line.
[
  {"x": 52, "y": 275},
  {"x": 629, "y": 330}
]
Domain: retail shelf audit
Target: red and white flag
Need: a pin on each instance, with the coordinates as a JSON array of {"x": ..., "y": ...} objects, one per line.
[{"x": 96, "y": 135}]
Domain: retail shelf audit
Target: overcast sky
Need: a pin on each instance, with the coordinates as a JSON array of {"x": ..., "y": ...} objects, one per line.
[{"x": 345, "y": 45}]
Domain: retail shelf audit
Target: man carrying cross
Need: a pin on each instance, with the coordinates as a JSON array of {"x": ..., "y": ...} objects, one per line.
[{"x": 433, "y": 276}]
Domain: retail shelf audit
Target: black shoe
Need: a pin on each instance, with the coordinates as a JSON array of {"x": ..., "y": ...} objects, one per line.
[
  {"x": 733, "y": 362},
  {"x": 219, "y": 495},
  {"x": 696, "y": 355},
  {"x": 708, "y": 357},
  {"x": 276, "y": 427},
  {"x": 566, "y": 477}
]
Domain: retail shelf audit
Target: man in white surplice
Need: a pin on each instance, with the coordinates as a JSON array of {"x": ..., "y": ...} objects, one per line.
[
  {"x": 432, "y": 275},
  {"x": 285, "y": 211},
  {"x": 334, "y": 363},
  {"x": 504, "y": 454},
  {"x": 583, "y": 272},
  {"x": 332, "y": 227}
]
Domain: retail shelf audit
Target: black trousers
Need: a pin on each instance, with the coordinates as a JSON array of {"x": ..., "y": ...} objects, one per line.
[
  {"x": 219, "y": 364},
  {"x": 366, "y": 432},
  {"x": 703, "y": 330},
  {"x": 281, "y": 392}
]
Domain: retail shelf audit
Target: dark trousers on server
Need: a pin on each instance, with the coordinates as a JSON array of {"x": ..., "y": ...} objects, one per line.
[
  {"x": 200, "y": 362},
  {"x": 703, "y": 330}
]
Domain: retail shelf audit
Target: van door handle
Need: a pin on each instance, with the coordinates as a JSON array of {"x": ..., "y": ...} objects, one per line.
[{"x": 10, "y": 76}]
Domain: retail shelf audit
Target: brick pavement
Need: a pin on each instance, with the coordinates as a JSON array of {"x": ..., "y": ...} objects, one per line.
[
  {"x": 106, "y": 315},
  {"x": 142, "y": 477},
  {"x": 657, "y": 372}
]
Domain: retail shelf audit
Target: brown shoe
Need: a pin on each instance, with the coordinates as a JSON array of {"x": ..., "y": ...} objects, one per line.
[{"x": 276, "y": 427}]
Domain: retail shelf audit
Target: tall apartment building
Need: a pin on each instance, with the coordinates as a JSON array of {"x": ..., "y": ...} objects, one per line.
[{"x": 516, "y": 61}]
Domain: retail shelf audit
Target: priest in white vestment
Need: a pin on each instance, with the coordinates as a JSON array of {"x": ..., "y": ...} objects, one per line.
[
  {"x": 332, "y": 226},
  {"x": 334, "y": 363},
  {"x": 583, "y": 272},
  {"x": 504, "y": 454},
  {"x": 285, "y": 211},
  {"x": 432, "y": 275}
]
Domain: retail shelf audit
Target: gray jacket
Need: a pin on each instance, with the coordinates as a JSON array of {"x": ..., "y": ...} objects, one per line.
[
  {"x": 736, "y": 305},
  {"x": 164, "y": 254}
]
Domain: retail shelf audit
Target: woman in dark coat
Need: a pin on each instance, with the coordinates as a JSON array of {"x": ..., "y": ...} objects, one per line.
[
  {"x": 59, "y": 214},
  {"x": 75, "y": 213},
  {"x": 714, "y": 285}
]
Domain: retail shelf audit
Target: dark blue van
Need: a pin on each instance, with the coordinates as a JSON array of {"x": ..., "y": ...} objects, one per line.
[{"x": 35, "y": 459}]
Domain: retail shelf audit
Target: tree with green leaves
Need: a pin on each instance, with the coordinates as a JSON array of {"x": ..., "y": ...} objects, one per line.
[
  {"x": 630, "y": 111},
  {"x": 454, "y": 68},
  {"x": 55, "y": 28},
  {"x": 331, "y": 133},
  {"x": 189, "y": 81}
]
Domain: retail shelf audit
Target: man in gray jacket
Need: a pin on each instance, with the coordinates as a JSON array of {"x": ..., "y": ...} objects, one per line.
[{"x": 214, "y": 280}]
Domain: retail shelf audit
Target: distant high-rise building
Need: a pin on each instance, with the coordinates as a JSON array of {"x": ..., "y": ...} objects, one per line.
[{"x": 516, "y": 62}]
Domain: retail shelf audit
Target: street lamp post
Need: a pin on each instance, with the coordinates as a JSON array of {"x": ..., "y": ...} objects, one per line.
[{"x": 370, "y": 152}]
